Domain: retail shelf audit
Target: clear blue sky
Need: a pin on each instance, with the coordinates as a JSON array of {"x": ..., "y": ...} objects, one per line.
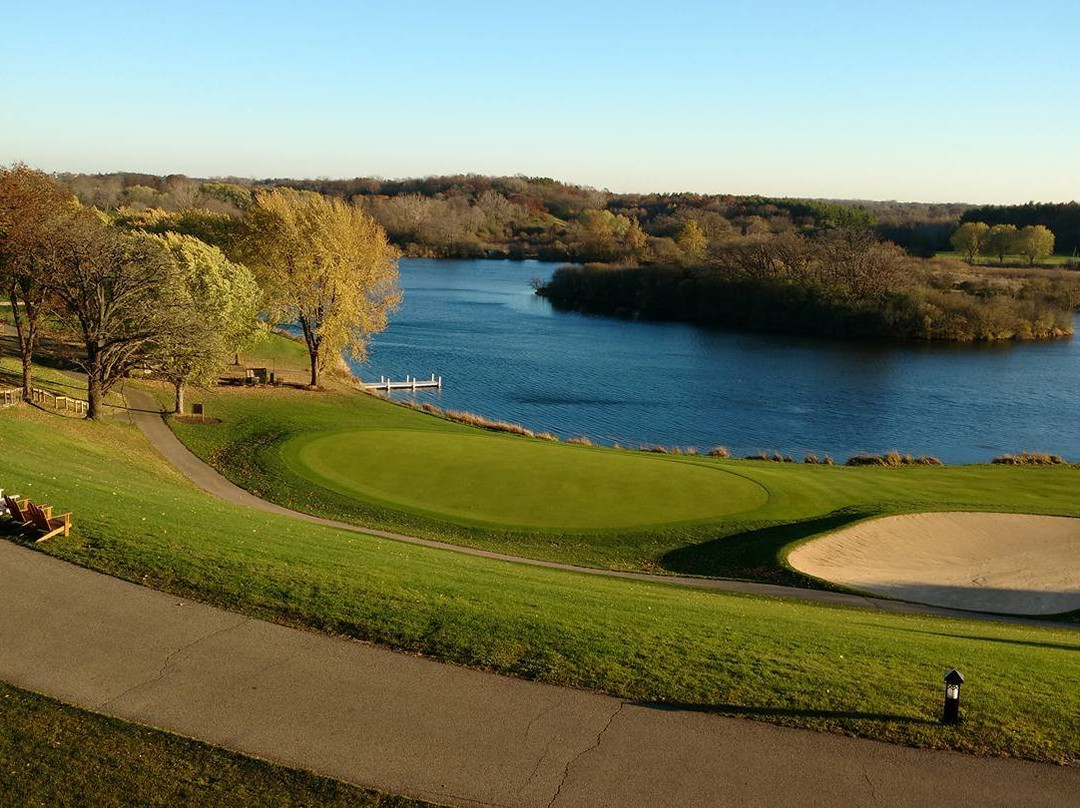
[{"x": 903, "y": 100}]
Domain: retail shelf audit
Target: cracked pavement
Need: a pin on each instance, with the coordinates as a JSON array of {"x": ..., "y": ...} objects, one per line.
[{"x": 441, "y": 732}]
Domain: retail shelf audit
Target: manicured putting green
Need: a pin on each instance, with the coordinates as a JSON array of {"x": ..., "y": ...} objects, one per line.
[{"x": 510, "y": 481}]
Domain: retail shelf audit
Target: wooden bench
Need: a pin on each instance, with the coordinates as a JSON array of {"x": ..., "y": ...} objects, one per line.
[{"x": 43, "y": 520}]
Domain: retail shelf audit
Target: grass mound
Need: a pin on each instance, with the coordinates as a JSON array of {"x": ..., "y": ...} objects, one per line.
[{"x": 484, "y": 478}]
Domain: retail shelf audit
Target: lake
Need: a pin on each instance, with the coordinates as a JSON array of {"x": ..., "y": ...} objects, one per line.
[{"x": 504, "y": 353}]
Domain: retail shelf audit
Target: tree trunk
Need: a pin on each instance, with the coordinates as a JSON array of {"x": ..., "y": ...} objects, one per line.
[
  {"x": 25, "y": 331},
  {"x": 93, "y": 398},
  {"x": 179, "y": 409},
  {"x": 27, "y": 375},
  {"x": 94, "y": 384},
  {"x": 313, "y": 342},
  {"x": 313, "y": 354}
]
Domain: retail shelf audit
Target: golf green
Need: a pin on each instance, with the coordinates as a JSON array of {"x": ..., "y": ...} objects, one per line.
[{"x": 509, "y": 481}]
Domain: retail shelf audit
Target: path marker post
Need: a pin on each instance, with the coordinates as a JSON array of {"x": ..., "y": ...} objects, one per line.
[{"x": 953, "y": 680}]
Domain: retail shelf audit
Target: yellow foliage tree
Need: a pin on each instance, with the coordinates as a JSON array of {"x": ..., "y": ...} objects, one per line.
[
  {"x": 325, "y": 265},
  {"x": 692, "y": 240},
  {"x": 1035, "y": 242}
]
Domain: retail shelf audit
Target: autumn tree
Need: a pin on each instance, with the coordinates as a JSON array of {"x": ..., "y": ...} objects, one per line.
[
  {"x": 854, "y": 259},
  {"x": 1035, "y": 242},
  {"x": 219, "y": 302},
  {"x": 636, "y": 241},
  {"x": 1001, "y": 240},
  {"x": 325, "y": 265},
  {"x": 119, "y": 297},
  {"x": 693, "y": 241},
  {"x": 30, "y": 204},
  {"x": 969, "y": 239}
]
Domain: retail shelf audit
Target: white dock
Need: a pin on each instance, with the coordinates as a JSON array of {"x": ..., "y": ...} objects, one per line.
[{"x": 410, "y": 383}]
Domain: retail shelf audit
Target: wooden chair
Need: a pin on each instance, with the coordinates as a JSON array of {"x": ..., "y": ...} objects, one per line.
[
  {"x": 47, "y": 523},
  {"x": 16, "y": 509}
]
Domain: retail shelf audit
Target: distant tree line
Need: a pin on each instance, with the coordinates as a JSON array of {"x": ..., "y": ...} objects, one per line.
[
  {"x": 517, "y": 217},
  {"x": 470, "y": 215}
]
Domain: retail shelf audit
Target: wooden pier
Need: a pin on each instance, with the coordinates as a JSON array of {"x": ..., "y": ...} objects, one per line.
[{"x": 410, "y": 383}]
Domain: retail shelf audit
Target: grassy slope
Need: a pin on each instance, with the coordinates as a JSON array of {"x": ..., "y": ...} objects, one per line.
[
  {"x": 277, "y": 353},
  {"x": 871, "y": 674},
  {"x": 59, "y": 380},
  {"x": 408, "y": 491},
  {"x": 53, "y": 754}
]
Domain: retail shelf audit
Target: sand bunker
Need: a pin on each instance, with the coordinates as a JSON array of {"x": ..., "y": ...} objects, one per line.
[{"x": 992, "y": 562}]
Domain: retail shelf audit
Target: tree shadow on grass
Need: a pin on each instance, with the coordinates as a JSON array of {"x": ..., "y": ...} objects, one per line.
[
  {"x": 783, "y": 712},
  {"x": 48, "y": 353},
  {"x": 1053, "y": 646},
  {"x": 755, "y": 554}
]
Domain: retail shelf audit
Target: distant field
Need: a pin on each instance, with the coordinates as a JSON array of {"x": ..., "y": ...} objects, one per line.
[{"x": 1017, "y": 260}]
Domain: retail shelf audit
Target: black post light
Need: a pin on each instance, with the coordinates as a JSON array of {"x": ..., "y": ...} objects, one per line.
[{"x": 953, "y": 680}]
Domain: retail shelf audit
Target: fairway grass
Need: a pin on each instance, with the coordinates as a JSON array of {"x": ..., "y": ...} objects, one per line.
[
  {"x": 357, "y": 458},
  {"x": 490, "y": 479},
  {"x": 54, "y": 754},
  {"x": 850, "y": 671}
]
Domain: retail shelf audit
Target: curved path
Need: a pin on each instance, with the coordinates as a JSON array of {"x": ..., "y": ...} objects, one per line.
[
  {"x": 441, "y": 732},
  {"x": 148, "y": 416}
]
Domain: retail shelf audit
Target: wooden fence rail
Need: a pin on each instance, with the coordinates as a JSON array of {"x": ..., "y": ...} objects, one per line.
[
  {"x": 10, "y": 396},
  {"x": 47, "y": 398}
]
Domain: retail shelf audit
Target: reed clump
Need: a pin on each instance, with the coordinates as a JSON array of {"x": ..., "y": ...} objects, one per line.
[
  {"x": 1030, "y": 459},
  {"x": 719, "y": 451},
  {"x": 579, "y": 440},
  {"x": 774, "y": 457},
  {"x": 893, "y": 459},
  {"x": 472, "y": 419}
]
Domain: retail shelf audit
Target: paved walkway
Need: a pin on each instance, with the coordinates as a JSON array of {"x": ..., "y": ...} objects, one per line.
[
  {"x": 146, "y": 414},
  {"x": 441, "y": 732}
]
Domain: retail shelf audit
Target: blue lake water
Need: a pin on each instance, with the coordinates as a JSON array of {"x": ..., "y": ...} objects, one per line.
[{"x": 504, "y": 353}]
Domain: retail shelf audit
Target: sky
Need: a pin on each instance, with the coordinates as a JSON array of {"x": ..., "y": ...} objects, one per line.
[{"x": 915, "y": 101}]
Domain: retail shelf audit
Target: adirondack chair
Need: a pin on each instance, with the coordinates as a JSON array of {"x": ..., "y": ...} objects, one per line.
[
  {"x": 47, "y": 523},
  {"x": 16, "y": 509}
]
